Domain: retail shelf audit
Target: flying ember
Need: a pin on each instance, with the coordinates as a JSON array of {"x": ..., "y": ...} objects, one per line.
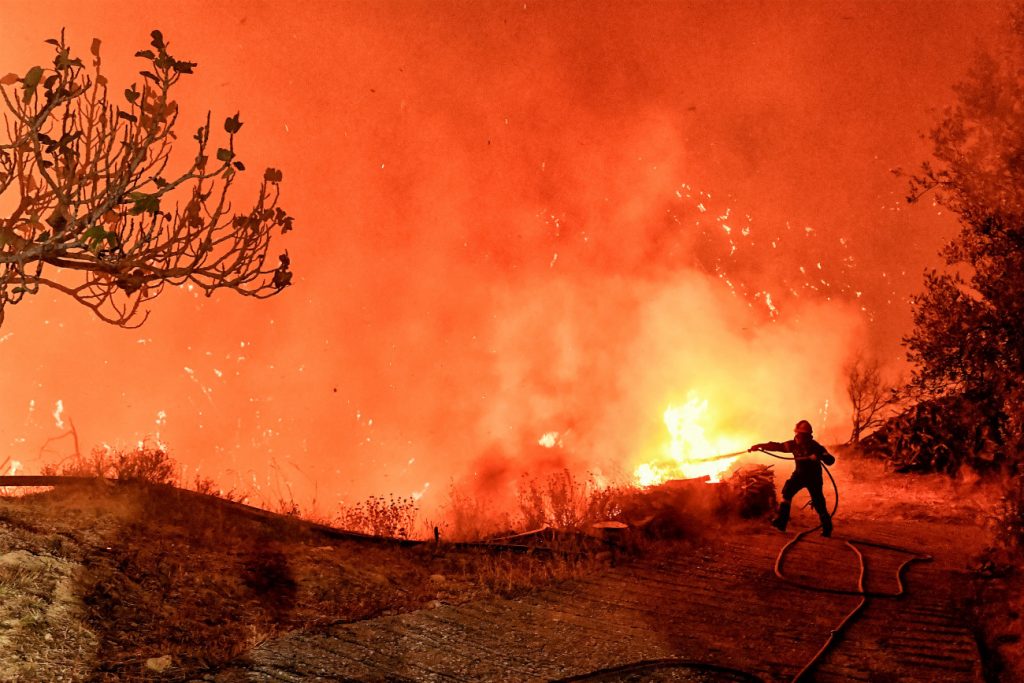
[{"x": 691, "y": 452}]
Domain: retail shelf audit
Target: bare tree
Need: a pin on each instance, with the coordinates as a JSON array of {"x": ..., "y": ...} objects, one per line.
[
  {"x": 95, "y": 210},
  {"x": 871, "y": 398}
]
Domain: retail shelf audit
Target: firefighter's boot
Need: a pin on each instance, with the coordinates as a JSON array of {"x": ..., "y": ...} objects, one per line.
[
  {"x": 826, "y": 522},
  {"x": 782, "y": 516}
]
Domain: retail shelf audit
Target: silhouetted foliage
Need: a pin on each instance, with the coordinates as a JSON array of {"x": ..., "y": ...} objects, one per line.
[
  {"x": 147, "y": 461},
  {"x": 391, "y": 517},
  {"x": 939, "y": 435},
  {"x": 92, "y": 191},
  {"x": 968, "y": 337},
  {"x": 565, "y": 501}
]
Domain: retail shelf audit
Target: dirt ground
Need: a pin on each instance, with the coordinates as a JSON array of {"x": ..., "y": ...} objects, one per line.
[{"x": 131, "y": 582}]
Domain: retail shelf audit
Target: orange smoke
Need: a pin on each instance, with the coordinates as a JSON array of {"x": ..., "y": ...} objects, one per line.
[{"x": 512, "y": 220}]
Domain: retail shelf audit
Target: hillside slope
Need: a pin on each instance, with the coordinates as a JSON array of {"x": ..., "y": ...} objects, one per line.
[{"x": 137, "y": 582}]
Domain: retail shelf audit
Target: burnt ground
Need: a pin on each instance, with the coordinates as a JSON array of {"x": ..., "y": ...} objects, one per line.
[{"x": 137, "y": 583}]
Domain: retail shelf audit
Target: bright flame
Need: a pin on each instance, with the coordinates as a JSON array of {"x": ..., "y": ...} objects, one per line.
[{"x": 687, "y": 455}]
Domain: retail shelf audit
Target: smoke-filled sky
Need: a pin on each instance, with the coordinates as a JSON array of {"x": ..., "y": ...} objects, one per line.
[{"x": 523, "y": 229}]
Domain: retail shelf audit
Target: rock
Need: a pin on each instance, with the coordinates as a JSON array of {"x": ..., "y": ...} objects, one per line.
[
  {"x": 438, "y": 578},
  {"x": 23, "y": 559},
  {"x": 159, "y": 664}
]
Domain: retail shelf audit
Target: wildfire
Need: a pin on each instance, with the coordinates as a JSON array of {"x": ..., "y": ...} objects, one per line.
[{"x": 691, "y": 452}]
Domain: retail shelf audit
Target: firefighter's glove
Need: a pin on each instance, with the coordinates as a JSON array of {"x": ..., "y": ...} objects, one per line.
[{"x": 756, "y": 447}]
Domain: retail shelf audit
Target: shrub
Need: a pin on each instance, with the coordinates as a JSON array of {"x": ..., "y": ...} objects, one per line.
[
  {"x": 471, "y": 518},
  {"x": 393, "y": 517},
  {"x": 941, "y": 435},
  {"x": 566, "y": 502},
  {"x": 147, "y": 462},
  {"x": 208, "y": 487}
]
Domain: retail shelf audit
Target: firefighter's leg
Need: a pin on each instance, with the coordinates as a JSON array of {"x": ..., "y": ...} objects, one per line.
[
  {"x": 821, "y": 507},
  {"x": 789, "y": 490},
  {"x": 782, "y": 515}
]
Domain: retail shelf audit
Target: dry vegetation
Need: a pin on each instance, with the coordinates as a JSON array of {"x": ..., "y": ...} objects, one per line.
[
  {"x": 103, "y": 581},
  {"x": 130, "y": 578},
  {"x": 136, "y": 579}
]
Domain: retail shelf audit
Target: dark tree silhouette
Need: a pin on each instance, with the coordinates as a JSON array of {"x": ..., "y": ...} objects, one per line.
[
  {"x": 968, "y": 337},
  {"x": 92, "y": 206},
  {"x": 969, "y": 321}
]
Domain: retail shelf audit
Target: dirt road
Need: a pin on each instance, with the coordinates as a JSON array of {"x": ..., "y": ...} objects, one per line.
[{"x": 718, "y": 604}]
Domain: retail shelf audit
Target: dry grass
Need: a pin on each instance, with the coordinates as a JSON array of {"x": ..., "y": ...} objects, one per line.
[
  {"x": 379, "y": 516},
  {"x": 149, "y": 571},
  {"x": 147, "y": 461}
]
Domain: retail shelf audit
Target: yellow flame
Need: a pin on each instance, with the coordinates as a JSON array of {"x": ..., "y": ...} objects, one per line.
[{"x": 689, "y": 445}]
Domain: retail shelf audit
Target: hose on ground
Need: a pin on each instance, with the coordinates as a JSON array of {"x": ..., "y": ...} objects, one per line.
[{"x": 834, "y": 635}]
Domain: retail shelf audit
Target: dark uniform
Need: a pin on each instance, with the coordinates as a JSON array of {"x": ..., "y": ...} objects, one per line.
[{"x": 808, "y": 455}]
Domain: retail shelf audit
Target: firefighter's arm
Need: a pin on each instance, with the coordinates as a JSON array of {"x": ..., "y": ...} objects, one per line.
[
  {"x": 769, "y": 446},
  {"x": 824, "y": 456}
]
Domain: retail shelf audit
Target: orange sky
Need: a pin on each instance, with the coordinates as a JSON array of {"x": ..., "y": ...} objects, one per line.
[{"x": 512, "y": 219}]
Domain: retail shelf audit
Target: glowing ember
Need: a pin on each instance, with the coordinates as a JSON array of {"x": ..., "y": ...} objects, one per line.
[{"x": 691, "y": 452}]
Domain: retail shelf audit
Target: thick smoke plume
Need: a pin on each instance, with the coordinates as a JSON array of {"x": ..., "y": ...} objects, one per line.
[{"x": 521, "y": 233}]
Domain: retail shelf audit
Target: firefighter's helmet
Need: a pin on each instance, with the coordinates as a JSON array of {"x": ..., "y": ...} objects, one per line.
[{"x": 803, "y": 427}]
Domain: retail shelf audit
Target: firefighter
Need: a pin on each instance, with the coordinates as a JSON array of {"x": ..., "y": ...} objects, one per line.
[{"x": 808, "y": 455}]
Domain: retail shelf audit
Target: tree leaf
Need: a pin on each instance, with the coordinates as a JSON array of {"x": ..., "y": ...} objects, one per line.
[
  {"x": 95, "y": 47},
  {"x": 126, "y": 116},
  {"x": 239, "y": 165},
  {"x": 148, "y": 54},
  {"x": 31, "y": 82},
  {"x": 95, "y": 233},
  {"x": 232, "y": 125},
  {"x": 52, "y": 41},
  {"x": 158, "y": 40},
  {"x": 63, "y": 59},
  {"x": 144, "y": 203},
  {"x": 272, "y": 175},
  {"x": 10, "y": 79},
  {"x": 225, "y": 155}
]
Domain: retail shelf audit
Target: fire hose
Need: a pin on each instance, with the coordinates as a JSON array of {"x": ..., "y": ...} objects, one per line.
[{"x": 804, "y": 673}]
